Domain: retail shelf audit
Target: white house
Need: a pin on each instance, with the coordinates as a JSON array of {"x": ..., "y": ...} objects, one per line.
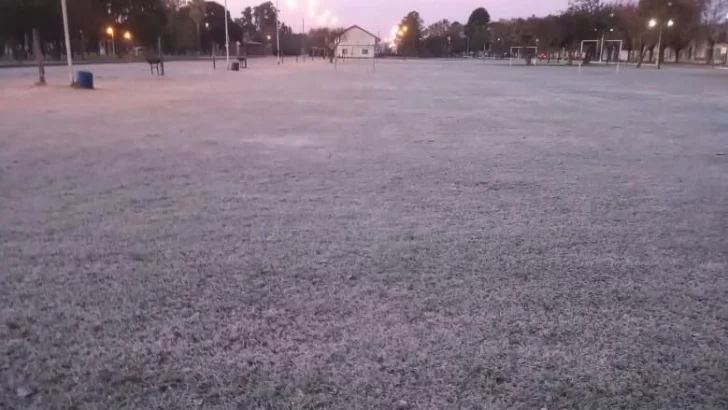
[{"x": 355, "y": 42}]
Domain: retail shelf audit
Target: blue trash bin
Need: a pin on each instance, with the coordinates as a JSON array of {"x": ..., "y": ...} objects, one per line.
[{"x": 85, "y": 79}]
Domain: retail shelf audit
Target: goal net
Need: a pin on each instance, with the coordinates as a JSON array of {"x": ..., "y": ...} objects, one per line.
[
  {"x": 525, "y": 55},
  {"x": 601, "y": 52}
]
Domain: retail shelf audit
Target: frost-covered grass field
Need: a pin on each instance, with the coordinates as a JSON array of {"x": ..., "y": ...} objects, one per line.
[{"x": 435, "y": 235}]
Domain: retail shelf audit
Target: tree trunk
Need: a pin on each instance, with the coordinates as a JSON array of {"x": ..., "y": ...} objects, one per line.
[
  {"x": 641, "y": 56},
  {"x": 677, "y": 54},
  {"x": 199, "y": 39},
  {"x": 38, "y": 57},
  {"x": 709, "y": 52}
]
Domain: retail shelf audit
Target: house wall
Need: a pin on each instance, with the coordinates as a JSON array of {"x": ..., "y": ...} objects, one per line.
[{"x": 356, "y": 43}]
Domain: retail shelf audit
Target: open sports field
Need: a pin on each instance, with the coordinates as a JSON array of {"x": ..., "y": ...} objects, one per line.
[{"x": 432, "y": 235}]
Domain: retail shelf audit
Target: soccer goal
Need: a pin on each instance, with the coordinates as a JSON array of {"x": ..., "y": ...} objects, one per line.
[
  {"x": 599, "y": 46},
  {"x": 521, "y": 52}
]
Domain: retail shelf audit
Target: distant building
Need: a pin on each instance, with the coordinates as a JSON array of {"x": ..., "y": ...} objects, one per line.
[{"x": 355, "y": 42}]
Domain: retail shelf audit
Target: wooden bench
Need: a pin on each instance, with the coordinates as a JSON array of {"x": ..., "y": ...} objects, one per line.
[{"x": 154, "y": 64}]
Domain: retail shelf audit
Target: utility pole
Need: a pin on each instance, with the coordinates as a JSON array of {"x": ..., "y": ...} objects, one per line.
[
  {"x": 83, "y": 45},
  {"x": 69, "y": 57},
  {"x": 278, "y": 34},
  {"x": 227, "y": 39},
  {"x": 659, "y": 49}
]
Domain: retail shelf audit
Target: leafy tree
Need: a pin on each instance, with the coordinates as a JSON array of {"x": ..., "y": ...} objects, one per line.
[
  {"x": 246, "y": 22},
  {"x": 456, "y": 38},
  {"x": 410, "y": 41},
  {"x": 326, "y": 39},
  {"x": 35, "y": 19},
  {"x": 215, "y": 26},
  {"x": 476, "y": 28},
  {"x": 685, "y": 13},
  {"x": 436, "y": 39},
  {"x": 713, "y": 13}
]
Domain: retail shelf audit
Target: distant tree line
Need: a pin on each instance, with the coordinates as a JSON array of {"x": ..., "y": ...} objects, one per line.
[
  {"x": 197, "y": 26},
  {"x": 694, "y": 22},
  {"x": 193, "y": 26}
]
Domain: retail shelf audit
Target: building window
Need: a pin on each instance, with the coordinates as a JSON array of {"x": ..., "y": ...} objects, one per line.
[
  {"x": 344, "y": 51},
  {"x": 365, "y": 51}
]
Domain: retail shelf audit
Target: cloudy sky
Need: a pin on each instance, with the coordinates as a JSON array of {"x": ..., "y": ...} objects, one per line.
[{"x": 378, "y": 16}]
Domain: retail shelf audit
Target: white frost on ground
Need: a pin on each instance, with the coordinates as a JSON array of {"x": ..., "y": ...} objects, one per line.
[{"x": 437, "y": 233}]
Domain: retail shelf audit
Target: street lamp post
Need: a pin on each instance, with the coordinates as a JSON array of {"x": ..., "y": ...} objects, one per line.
[
  {"x": 227, "y": 39},
  {"x": 278, "y": 34},
  {"x": 69, "y": 57},
  {"x": 652, "y": 24},
  {"x": 110, "y": 31},
  {"x": 129, "y": 49},
  {"x": 83, "y": 45}
]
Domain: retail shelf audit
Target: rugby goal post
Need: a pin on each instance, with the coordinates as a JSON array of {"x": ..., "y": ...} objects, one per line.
[{"x": 535, "y": 53}]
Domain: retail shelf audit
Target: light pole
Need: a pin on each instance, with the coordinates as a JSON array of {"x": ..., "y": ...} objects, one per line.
[
  {"x": 69, "y": 57},
  {"x": 83, "y": 45},
  {"x": 652, "y": 24},
  {"x": 110, "y": 31},
  {"x": 127, "y": 37},
  {"x": 227, "y": 40},
  {"x": 278, "y": 34}
]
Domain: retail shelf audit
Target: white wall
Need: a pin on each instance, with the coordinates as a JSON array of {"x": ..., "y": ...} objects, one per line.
[{"x": 356, "y": 43}]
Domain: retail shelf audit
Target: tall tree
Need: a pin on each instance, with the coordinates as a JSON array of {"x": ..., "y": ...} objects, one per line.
[
  {"x": 410, "y": 40},
  {"x": 326, "y": 39},
  {"x": 714, "y": 15},
  {"x": 456, "y": 38},
  {"x": 476, "y": 28},
  {"x": 436, "y": 42},
  {"x": 684, "y": 13}
]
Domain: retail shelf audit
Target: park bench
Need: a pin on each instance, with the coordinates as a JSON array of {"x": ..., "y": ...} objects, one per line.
[{"x": 154, "y": 64}]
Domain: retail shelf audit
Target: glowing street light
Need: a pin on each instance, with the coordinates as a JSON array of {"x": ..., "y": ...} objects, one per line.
[
  {"x": 654, "y": 23},
  {"x": 110, "y": 31},
  {"x": 127, "y": 36},
  {"x": 268, "y": 37}
]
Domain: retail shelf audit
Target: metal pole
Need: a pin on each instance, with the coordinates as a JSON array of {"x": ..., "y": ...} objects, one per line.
[
  {"x": 83, "y": 46},
  {"x": 659, "y": 48},
  {"x": 619, "y": 56},
  {"x": 113, "y": 43},
  {"x": 278, "y": 34},
  {"x": 161, "y": 55},
  {"x": 601, "y": 49},
  {"x": 227, "y": 39},
  {"x": 69, "y": 57}
]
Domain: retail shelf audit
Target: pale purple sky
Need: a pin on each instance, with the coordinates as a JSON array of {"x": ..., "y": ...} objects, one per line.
[{"x": 379, "y": 16}]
